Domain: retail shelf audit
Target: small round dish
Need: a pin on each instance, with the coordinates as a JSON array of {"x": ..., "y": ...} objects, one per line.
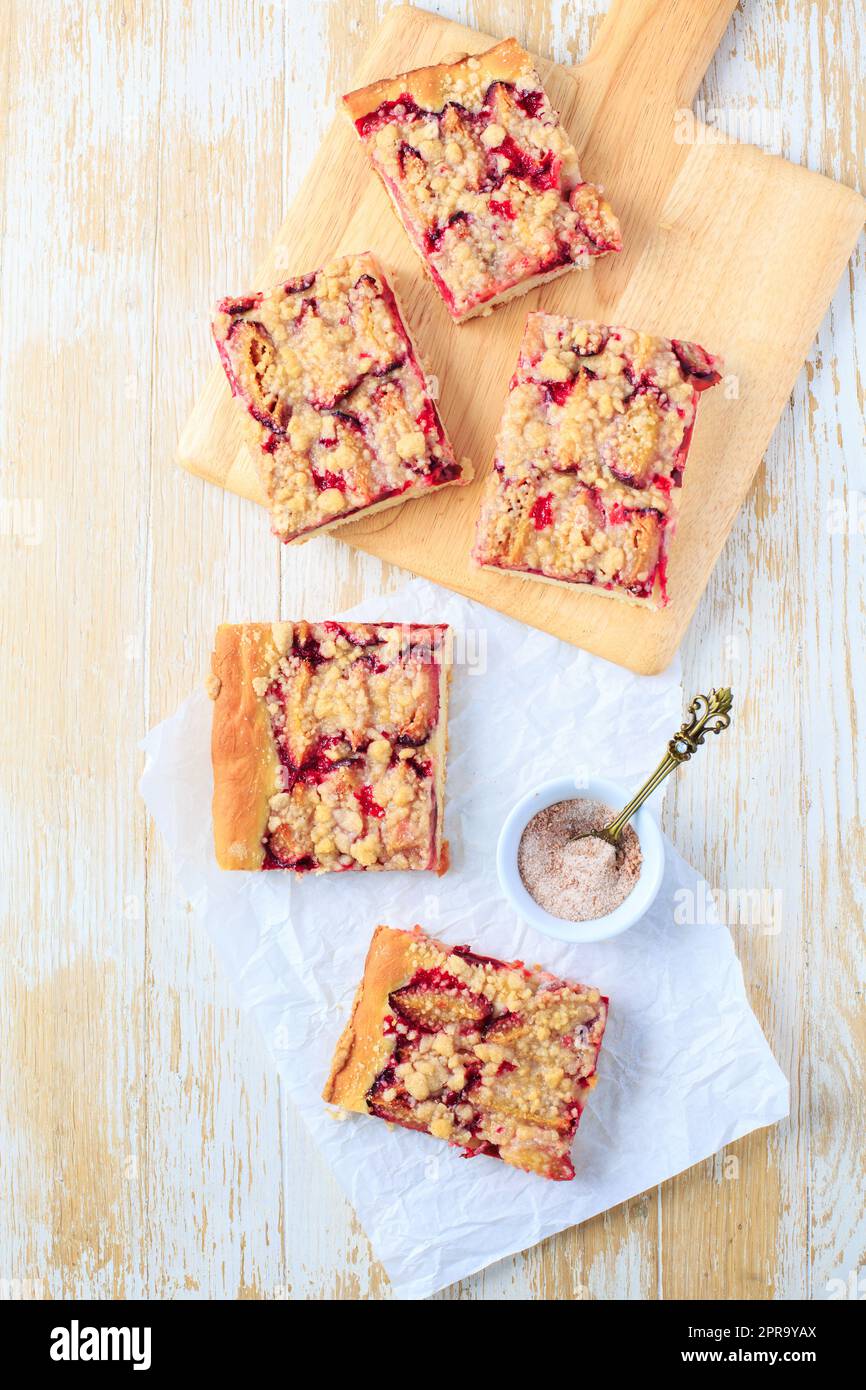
[{"x": 639, "y": 899}]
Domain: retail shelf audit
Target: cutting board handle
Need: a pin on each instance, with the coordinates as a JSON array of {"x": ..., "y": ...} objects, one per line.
[{"x": 656, "y": 51}]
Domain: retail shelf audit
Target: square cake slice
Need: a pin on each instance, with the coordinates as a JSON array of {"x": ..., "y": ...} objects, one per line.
[
  {"x": 328, "y": 745},
  {"x": 589, "y": 457},
  {"x": 483, "y": 177},
  {"x": 337, "y": 410},
  {"x": 493, "y": 1056}
]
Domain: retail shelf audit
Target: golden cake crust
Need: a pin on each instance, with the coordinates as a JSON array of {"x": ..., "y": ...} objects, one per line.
[
  {"x": 242, "y": 748},
  {"x": 432, "y": 86},
  {"x": 359, "y": 1055}
]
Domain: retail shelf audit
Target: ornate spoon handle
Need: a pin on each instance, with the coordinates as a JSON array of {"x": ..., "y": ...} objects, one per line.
[{"x": 709, "y": 715}]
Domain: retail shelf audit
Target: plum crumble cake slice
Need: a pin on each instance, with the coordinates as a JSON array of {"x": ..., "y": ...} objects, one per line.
[
  {"x": 494, "y": 1057},
  {"x": 328, "y": 745},
  {"x": 590, "y": 453},
  {"x": 336, "y": 406},
  {"x": 483, "y": 177}
]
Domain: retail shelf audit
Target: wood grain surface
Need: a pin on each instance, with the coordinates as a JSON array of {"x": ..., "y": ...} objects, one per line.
[
  {"x": 714, "y": 235},
  {"x": 145, "y": 1148}
]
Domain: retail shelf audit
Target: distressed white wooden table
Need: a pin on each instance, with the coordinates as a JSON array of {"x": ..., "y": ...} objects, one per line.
[{"x": 145, "y": 1148}]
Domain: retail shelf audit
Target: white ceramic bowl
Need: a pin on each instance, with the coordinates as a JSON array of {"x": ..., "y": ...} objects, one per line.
[{"x": 639, "y": 899}]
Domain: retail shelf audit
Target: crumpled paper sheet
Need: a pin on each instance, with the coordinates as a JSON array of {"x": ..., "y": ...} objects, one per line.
[{"x": 684, "y": 1068}]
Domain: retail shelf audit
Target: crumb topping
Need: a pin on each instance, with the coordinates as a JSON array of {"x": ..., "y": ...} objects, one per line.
[
  {"x": 488, "y": 184},
  {"x": 492, "y": 1056},
  {"x": 354, "y": 709},
  {"x": 335, "y": 401},
  {"x": 592, "y": 446}
]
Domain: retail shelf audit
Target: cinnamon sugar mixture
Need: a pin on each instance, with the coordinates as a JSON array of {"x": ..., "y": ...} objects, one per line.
[{"x": 577, "y": 880}]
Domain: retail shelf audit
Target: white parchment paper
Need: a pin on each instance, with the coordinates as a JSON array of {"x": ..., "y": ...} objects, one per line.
[{"x": 684, "y": 1068}]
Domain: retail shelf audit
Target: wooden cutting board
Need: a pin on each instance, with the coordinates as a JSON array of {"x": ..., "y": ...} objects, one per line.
[{"x": 734, "y": 248}]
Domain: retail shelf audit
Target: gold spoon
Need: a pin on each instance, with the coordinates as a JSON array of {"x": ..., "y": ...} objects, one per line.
[{"x": 710, "y": 714}]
